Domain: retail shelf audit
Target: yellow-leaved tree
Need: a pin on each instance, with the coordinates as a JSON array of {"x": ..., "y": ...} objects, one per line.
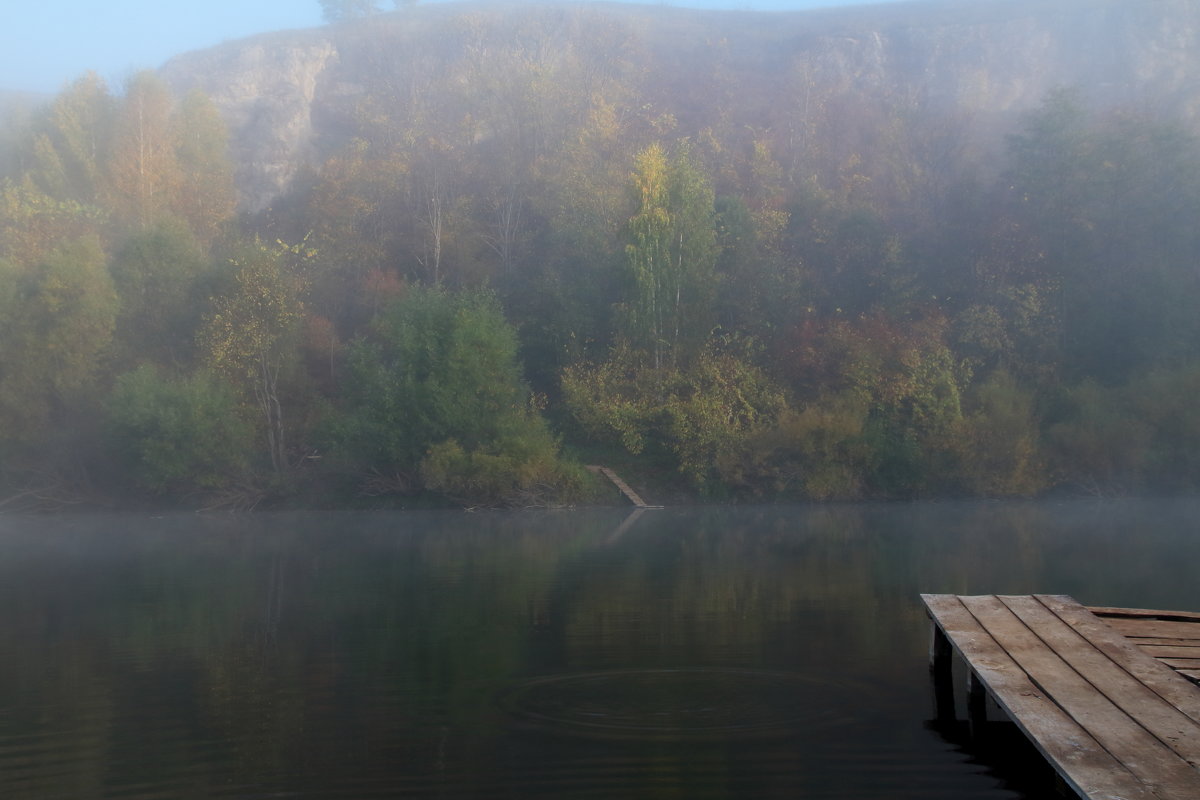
[
  {"x": 251, "y": 335},
  {"x": 671, "y": 256}
]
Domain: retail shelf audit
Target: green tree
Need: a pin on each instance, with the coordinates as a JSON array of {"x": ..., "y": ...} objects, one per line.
[
  {"x": 71, "y": 142},
  {"x": 56, "y": 319},
  {"x": 759, "y": 285},
  {"x": 436, "y": 390},
  {"x": 159, "y": 274}
]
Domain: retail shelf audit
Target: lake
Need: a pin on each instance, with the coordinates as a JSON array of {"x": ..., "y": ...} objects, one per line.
[{"x": 715, "y": 652}]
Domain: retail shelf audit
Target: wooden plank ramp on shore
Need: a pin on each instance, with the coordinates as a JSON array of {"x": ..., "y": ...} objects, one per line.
[
  {"x": 1113, "y": 721},
  {"x": 629, "y": 493}
]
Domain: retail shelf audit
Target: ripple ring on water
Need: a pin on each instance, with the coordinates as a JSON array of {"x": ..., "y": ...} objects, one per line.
[{"x": 674, "y": 703}]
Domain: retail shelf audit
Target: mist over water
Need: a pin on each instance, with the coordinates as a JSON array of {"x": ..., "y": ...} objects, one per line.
[{"x": 713, "y": 652}]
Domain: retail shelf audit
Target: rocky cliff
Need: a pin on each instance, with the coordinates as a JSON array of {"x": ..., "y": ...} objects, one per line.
[{"x": 290, "y": 97}]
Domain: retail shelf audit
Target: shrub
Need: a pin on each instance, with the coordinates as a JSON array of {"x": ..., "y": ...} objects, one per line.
[
  {"x": 1097, "y": 443},
  {"x": 510, "y": 474},
  {"x": 176, "y": 436},
  {"x": 818, "y": 453},
  {"x": 996, "y": 446},
  {"x": 694, "y": 417}
]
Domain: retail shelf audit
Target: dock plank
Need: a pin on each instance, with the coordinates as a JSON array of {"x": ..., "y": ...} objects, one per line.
[
  {"x": 1147, "y": 642},
  {"x": 1141, "y": 613},
  {"x": 1131, "y": 696},
  {"x": 1076, "y": 756},
  {"x": 1143, "y": 754},
  {"x": 1153, "y": 673},
  {"x": 1171, "y": 651},
  {"x": 1153, "y": 628}
]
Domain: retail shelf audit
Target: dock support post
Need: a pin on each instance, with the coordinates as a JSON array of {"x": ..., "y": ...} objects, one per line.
[
  {"x": 976, "y": 705},
  {"x": 941, "y": 669},
  {"x": 939, "y": 649}
]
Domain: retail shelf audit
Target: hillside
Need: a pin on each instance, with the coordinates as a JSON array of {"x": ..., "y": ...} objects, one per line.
[
  {"x": 933, "y": 249},
  {"x": 291, "y": 98}
]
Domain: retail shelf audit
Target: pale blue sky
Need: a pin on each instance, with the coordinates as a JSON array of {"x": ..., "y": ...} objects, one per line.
[{"x": 45, "y": 44}]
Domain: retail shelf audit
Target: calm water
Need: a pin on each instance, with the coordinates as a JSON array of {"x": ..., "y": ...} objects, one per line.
[{"x": 713, "y": 653}]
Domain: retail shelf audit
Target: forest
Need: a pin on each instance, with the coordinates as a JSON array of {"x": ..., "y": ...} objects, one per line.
[{"x": 525, "y": 254}]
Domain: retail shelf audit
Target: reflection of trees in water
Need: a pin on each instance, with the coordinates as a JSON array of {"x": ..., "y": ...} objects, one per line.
[{"x": 276, "y": 650}]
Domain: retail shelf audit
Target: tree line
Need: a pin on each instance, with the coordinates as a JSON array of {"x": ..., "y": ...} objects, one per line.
[{"x": 525, "y": 255}]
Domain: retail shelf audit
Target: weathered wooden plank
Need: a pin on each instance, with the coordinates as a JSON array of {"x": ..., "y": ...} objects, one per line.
[
  {"x": 1145, "y": 642},
  {"x": 1077, "y": 757},
  {"x": 1158, "y": 629},
  {"x": 1165, "y": 722},
  {"x": 1152, "y": 762},
  {"x": 1149, "y": 671},
  {"x": 1133, "y": 633},
  {"x": 1170, "y": 651},
  {"x": 624, "y": 488},
  {"x": 1109, "y": 611},
  {"x": 1182, "y": 663}
]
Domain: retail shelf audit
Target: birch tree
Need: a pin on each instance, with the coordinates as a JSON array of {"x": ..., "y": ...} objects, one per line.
[{"x": 671, "y": 256}]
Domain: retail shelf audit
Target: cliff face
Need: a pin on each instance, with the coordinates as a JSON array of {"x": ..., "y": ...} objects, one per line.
[
  {"x": 290, "y": 97},
  {"x": 265, "y": 88}
]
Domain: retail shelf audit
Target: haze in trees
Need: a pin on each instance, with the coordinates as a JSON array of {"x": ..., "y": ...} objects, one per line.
[{"x": 540, "y": 237}]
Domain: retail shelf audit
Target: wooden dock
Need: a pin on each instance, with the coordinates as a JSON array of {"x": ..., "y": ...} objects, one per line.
[{"x": 1113, "y": 720}]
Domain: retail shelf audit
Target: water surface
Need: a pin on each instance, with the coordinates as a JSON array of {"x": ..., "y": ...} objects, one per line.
[{"x": 701, "y": 653}]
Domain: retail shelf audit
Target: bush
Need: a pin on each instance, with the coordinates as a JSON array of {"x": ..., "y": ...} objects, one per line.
[
  {"x": 819, "y": 453},
  {"x": 694, "y": 417},
  {"x": 176, "y": 436},
  {"x": 1165, "y": 400},
  {"x": 511, "y": 474},
  {"x": 996, "y": 446},
  {"x": 1097, "y": 443}
]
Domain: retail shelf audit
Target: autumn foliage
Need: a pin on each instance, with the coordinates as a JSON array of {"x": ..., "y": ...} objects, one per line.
[{"x": 526, "y": 251}]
